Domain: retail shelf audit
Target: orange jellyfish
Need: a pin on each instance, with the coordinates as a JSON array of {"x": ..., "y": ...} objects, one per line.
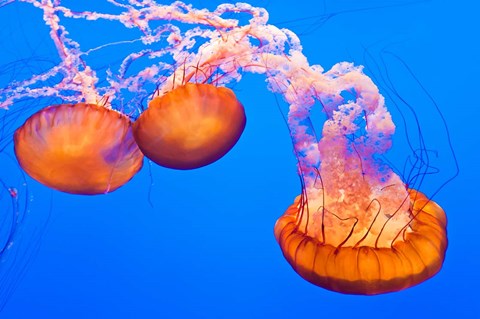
[
  {"x": 191, "y": 126},
  {"x": 357, "y": 228},
  {"x": 78, "y": 148}
]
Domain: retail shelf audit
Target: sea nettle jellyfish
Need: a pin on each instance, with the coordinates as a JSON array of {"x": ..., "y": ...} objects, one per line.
[
  {"x": 355, "y": 228},
  {"x": 191, "y": 126},
  {"x": 78, "y": 148}
]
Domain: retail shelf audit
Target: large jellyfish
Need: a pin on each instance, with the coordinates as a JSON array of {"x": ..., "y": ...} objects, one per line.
[{"x": 356, "y": 227}]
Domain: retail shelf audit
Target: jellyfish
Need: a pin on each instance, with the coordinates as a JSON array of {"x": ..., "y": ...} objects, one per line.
[
  {"x": 78, "y": 148},
  {"x": 356, "y": 227},
  {"x": 191, "y": 126}
]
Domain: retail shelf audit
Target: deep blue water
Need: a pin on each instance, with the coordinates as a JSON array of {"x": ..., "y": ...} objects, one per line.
[{"x": 199, "y": 244}]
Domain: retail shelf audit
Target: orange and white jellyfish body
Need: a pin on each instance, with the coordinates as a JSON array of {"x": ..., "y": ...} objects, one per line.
[
  {"x": 78, "y": 148},
  {"x": 355, "y": 228},
  {"x": 190, "y": 126}
]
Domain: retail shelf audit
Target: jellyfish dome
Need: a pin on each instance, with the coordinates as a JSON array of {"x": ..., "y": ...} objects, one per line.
[
  {"x": 407, "y": 257},
  {"x": 190, "y": 126},
  {"x": 78, "y": 148}
]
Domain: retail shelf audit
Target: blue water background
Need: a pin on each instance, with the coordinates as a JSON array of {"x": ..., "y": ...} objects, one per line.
[{"x": 199, "y": 244}]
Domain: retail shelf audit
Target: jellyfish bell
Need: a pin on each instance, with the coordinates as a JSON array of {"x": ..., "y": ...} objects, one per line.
[
  {"x": 78, "y": 148},
  {"x": 403, "y": 259},
  {"x": 191, "y": 126}
]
